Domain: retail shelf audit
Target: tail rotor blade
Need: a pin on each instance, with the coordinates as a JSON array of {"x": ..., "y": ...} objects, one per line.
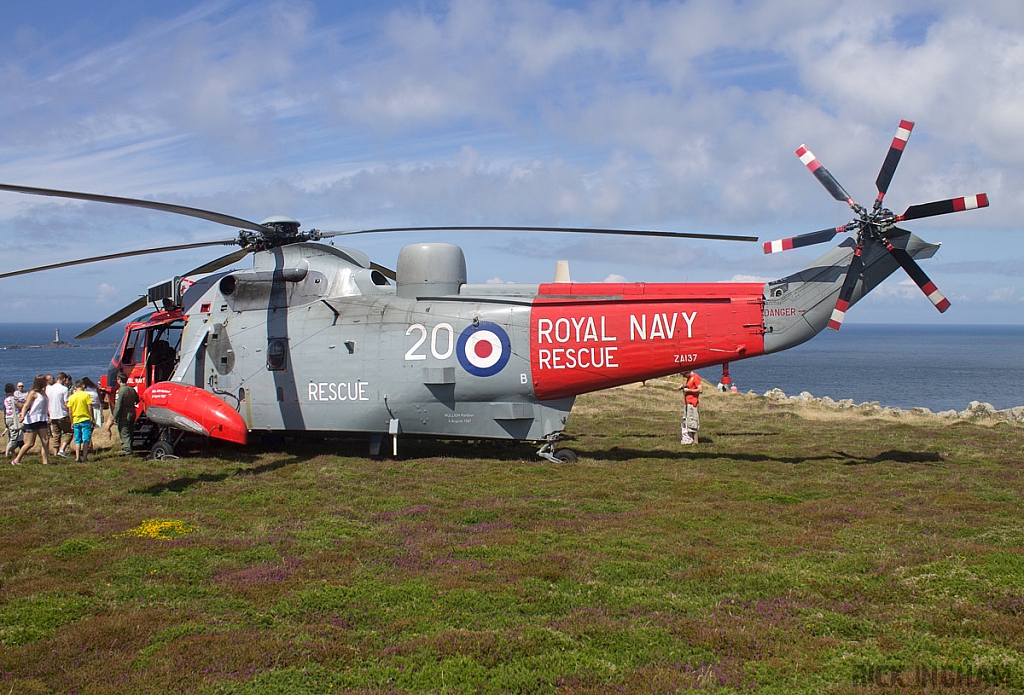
[
  {"x": 919, "y": 277},
  {"x": 823, "y": 175},
  {"x": 892, "y": 158},
  {"x": 801, "y": 240},
  {"x": 846, "y": 293},
  {"x": 944, "y": 207}
]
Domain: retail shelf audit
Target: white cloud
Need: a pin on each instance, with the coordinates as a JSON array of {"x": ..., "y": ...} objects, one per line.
[
  {"x": 105, "y": 292},
  {"x": 902, "y": 290},
  {"x": 1004, "y": 294},
  {"x": 678, "y": 115}
]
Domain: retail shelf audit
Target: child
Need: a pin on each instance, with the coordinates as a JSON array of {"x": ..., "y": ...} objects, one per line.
[{"x": 80, "y": 408}]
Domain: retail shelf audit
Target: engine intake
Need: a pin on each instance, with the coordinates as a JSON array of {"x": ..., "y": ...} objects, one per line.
[{"x": 430, "y": 270}]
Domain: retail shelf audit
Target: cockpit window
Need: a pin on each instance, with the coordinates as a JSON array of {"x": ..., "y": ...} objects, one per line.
[
  {"x": 134, "y": 346},
  {"x": 164, "y": 338}
]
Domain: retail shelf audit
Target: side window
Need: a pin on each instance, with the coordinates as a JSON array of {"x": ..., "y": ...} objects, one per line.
[
  {"x": 277, "y": 354},
  {"x": 134, "y": 347}
]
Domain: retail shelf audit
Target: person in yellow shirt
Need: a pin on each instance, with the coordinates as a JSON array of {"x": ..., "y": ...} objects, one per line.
[{"x": 80, "y": 409}]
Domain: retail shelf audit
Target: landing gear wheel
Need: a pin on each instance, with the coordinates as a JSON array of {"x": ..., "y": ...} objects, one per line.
[
  {"x": 566, "y": 455},
  {"x": 549, "y": 452},
  {"x": 162, "y": 450}
]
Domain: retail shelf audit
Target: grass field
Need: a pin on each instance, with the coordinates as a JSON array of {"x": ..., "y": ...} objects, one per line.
[{"x": 794, "y": 550}]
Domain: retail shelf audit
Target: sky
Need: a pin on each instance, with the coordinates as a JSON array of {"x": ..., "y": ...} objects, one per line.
[{"x": 678, "y": 116}]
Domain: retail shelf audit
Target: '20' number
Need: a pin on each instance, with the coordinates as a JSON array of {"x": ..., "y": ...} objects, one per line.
[{"x": 441, "y": 328}]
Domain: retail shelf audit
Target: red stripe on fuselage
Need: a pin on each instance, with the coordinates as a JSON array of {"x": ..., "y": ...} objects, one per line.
[{"x": 590, "y": 336}]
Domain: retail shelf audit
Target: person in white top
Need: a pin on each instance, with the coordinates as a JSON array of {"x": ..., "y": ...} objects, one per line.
[
  {"x": 60, "y": 418},
  {"x": 34, "y": 417},
  {"x": 15, "y": 438}
]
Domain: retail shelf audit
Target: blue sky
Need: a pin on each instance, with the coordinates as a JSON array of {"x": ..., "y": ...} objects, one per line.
[{"x": 665, "y": 115}]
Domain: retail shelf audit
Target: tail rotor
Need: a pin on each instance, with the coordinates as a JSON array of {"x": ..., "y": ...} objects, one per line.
[{"x": 875, "y": 225}]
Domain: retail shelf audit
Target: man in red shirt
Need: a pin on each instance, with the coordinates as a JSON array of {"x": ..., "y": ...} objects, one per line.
[{"x": 692, "y": 388}]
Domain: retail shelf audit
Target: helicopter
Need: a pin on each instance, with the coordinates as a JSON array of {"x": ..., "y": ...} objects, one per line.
[{"x": 317, "y": 338}]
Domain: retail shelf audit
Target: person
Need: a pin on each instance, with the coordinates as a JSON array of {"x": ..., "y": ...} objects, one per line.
[
  {"x": 97, "y": 405},
  {"x": 36, "y": 421},
  {"x": 691, "y": 388},
  {"x": 80, "y": 408},
  {"x": 20, "y": 395},
  {"x": 9, "y": 412},
  {"x": 60, "y": 418},
  {"x": 123, "y": 413},
  {"x": 15, "y": 437}
]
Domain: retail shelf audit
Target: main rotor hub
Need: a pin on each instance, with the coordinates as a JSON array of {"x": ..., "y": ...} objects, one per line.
[
  {"x": 284, "y": 226},
  {"x": 282, "y": 230}
]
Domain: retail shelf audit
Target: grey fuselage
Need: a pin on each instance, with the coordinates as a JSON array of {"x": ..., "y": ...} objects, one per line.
[{"x": 312, "y": 338}]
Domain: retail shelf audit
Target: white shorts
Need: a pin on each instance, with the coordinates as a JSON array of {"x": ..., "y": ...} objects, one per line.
[{"x": 691, "y": 418}]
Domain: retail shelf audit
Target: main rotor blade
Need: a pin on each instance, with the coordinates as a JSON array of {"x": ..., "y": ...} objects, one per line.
[
  {"x": 112, "y": 256},
  {"x": 218, "y": 217},
  {"x": 944, "y": 207},
  {"x": 140, "y": 303},
  {"x": 846, "y": 293},
  {"x": 572, "y": 230},
  {"x": 919, "y": 277},
  {"x": 801, "y": 240},
  {"x": 386, "y": 272},
  {"x": 218, "y": 263},
  {"x": 892, "y": 158},
  {"x": 823, "y": 175},
  {"x": 118, "y": 316}
]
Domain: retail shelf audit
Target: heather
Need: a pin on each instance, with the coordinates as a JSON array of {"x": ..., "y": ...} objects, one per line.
[{"x": 795, "y": 549}]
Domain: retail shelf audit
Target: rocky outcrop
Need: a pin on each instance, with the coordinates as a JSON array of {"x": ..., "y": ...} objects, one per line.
[{"x": 975, "y": 410}]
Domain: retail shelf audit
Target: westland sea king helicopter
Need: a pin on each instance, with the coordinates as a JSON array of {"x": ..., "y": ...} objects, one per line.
[{"x": 318, "y": 338}]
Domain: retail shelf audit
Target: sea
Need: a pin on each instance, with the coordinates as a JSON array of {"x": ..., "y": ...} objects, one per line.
[
  {"x": 940, "y": 367},
  {"x": 28, "y": 349}
]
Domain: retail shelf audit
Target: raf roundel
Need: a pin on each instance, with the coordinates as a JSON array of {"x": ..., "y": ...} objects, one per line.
[{"x": 484, "y": 349}]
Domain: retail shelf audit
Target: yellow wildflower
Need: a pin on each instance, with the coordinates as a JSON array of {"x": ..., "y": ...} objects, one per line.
[{"x": 159, "y": 528}]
